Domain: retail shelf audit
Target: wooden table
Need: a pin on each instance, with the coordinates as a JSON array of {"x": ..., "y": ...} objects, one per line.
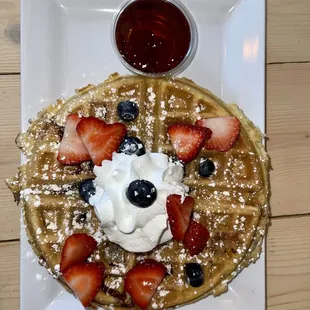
[{"x": 288, "y": 129}]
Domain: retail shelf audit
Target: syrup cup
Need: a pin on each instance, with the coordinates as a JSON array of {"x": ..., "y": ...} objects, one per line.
[{"x": 190, "y": 52}]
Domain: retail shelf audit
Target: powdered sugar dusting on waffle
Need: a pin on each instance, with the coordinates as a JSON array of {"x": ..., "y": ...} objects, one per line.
[{"x": 228, "y": 203}]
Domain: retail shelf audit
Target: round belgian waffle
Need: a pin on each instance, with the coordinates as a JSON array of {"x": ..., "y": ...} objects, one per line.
[{"x": 232, "y": 203}]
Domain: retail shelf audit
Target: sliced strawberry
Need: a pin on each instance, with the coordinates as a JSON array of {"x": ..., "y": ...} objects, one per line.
[
  {"x": 142, "y": 281},
  {"x": 85, "y": 280},
  {"x": 72, "y": 150},
  {"x": 225, "y": 132},
  {"x": 100, "y": 139},
  {"x": 187, "y": 140},
  {"x": 196, "y": 238},
  {"x": 76, "y": 249},
  {"x": 179, "y": 215}
]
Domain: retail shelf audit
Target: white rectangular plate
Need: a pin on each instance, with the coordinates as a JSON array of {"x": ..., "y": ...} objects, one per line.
[{"x": 66, "y": 45}]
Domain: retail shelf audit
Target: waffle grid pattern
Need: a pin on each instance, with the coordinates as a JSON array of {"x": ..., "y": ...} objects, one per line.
[{"x": 232, "y": 203}]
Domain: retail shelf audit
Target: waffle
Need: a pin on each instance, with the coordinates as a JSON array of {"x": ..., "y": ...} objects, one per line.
[{"x": 232, "y": 203}]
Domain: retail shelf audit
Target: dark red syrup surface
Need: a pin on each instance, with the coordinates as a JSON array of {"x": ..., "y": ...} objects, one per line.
[{"x": 153, "y": 36}]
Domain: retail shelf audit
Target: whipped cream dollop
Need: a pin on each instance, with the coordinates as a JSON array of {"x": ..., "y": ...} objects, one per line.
[{"x": 135, "y": 229}]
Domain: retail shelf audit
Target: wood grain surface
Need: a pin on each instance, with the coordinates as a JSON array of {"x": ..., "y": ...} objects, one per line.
[
  {"x": 10, "y": 158},
  {"x": 9, "y": 275},
  {"x": 9, "y": 36},
  {"x": 288, "y": 28},
  {"x": 288, "y": 130},
  {"x": 288, "y": 264}
]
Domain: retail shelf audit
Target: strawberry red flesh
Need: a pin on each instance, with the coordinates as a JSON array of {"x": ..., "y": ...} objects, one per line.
[
  {"x": 225, "y": 132},
  {"x": 179, "y": 215},
  {"x": 187, "y": 140},
  {"x": 142, "y": 281},
  {"x": 77, "y": 248},
  {"x": 72, "y": 150},
  {"x": 85, "y": 280},
  {"x": 100, "y": 139},
  {"x": 196, "y": 238}
]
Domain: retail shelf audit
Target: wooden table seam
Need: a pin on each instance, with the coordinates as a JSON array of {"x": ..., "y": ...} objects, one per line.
[
  {"x": 267, "y": 64},
  {"x": 274, "y": 218},
  {"x": 9, "y": 240},
  {"x": 10, "y": 73},
  {"x": 287, "y": 62}
]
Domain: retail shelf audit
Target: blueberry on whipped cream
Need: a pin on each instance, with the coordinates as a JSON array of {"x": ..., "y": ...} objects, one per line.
[
  {"x": 134, "y": 228},
  {"x": 141, "y": 193}
]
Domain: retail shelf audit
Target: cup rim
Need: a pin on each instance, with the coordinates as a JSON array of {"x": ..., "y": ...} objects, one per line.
[{"x": 188, "y": 58}]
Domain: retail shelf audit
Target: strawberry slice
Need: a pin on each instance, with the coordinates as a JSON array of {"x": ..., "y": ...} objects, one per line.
[
  {"x": 142, "y": 281},
  {"x": 72, "y": 150},
  {"x": 179, "y": 215},
  {"x": 225, "y": 132},
  {"x": 100, "y": 139},
  {"x": 187, "y": 140},
  {"x": 76, "y": 250},
  {"x": 196, "y": 238},
  {"x": 85, "y": 280}
]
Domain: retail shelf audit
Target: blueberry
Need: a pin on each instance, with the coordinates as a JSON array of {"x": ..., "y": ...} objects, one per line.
[
  {"x": 127, "y": 110},
  {"x": 141, "y": 193},
  {"x": 132, "y": 145},
  {"x": 194, "y": 274},
  {"x": 206, "y": 168},
  {"x": 87, "y": 189}
]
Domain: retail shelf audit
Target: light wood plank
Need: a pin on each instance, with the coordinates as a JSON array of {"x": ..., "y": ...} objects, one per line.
[
  {"x": 288, "y": 29},
  {"x": 288, "y": 129},
  {"x": 9, "y": 36},
  {"x": 288, "y": 264},
  {"x": 9, "y": 276},
  {"x": 287, "y": 32},
  {"x": 288, "y": 267},
  {"x": 10, "y": 156}
]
